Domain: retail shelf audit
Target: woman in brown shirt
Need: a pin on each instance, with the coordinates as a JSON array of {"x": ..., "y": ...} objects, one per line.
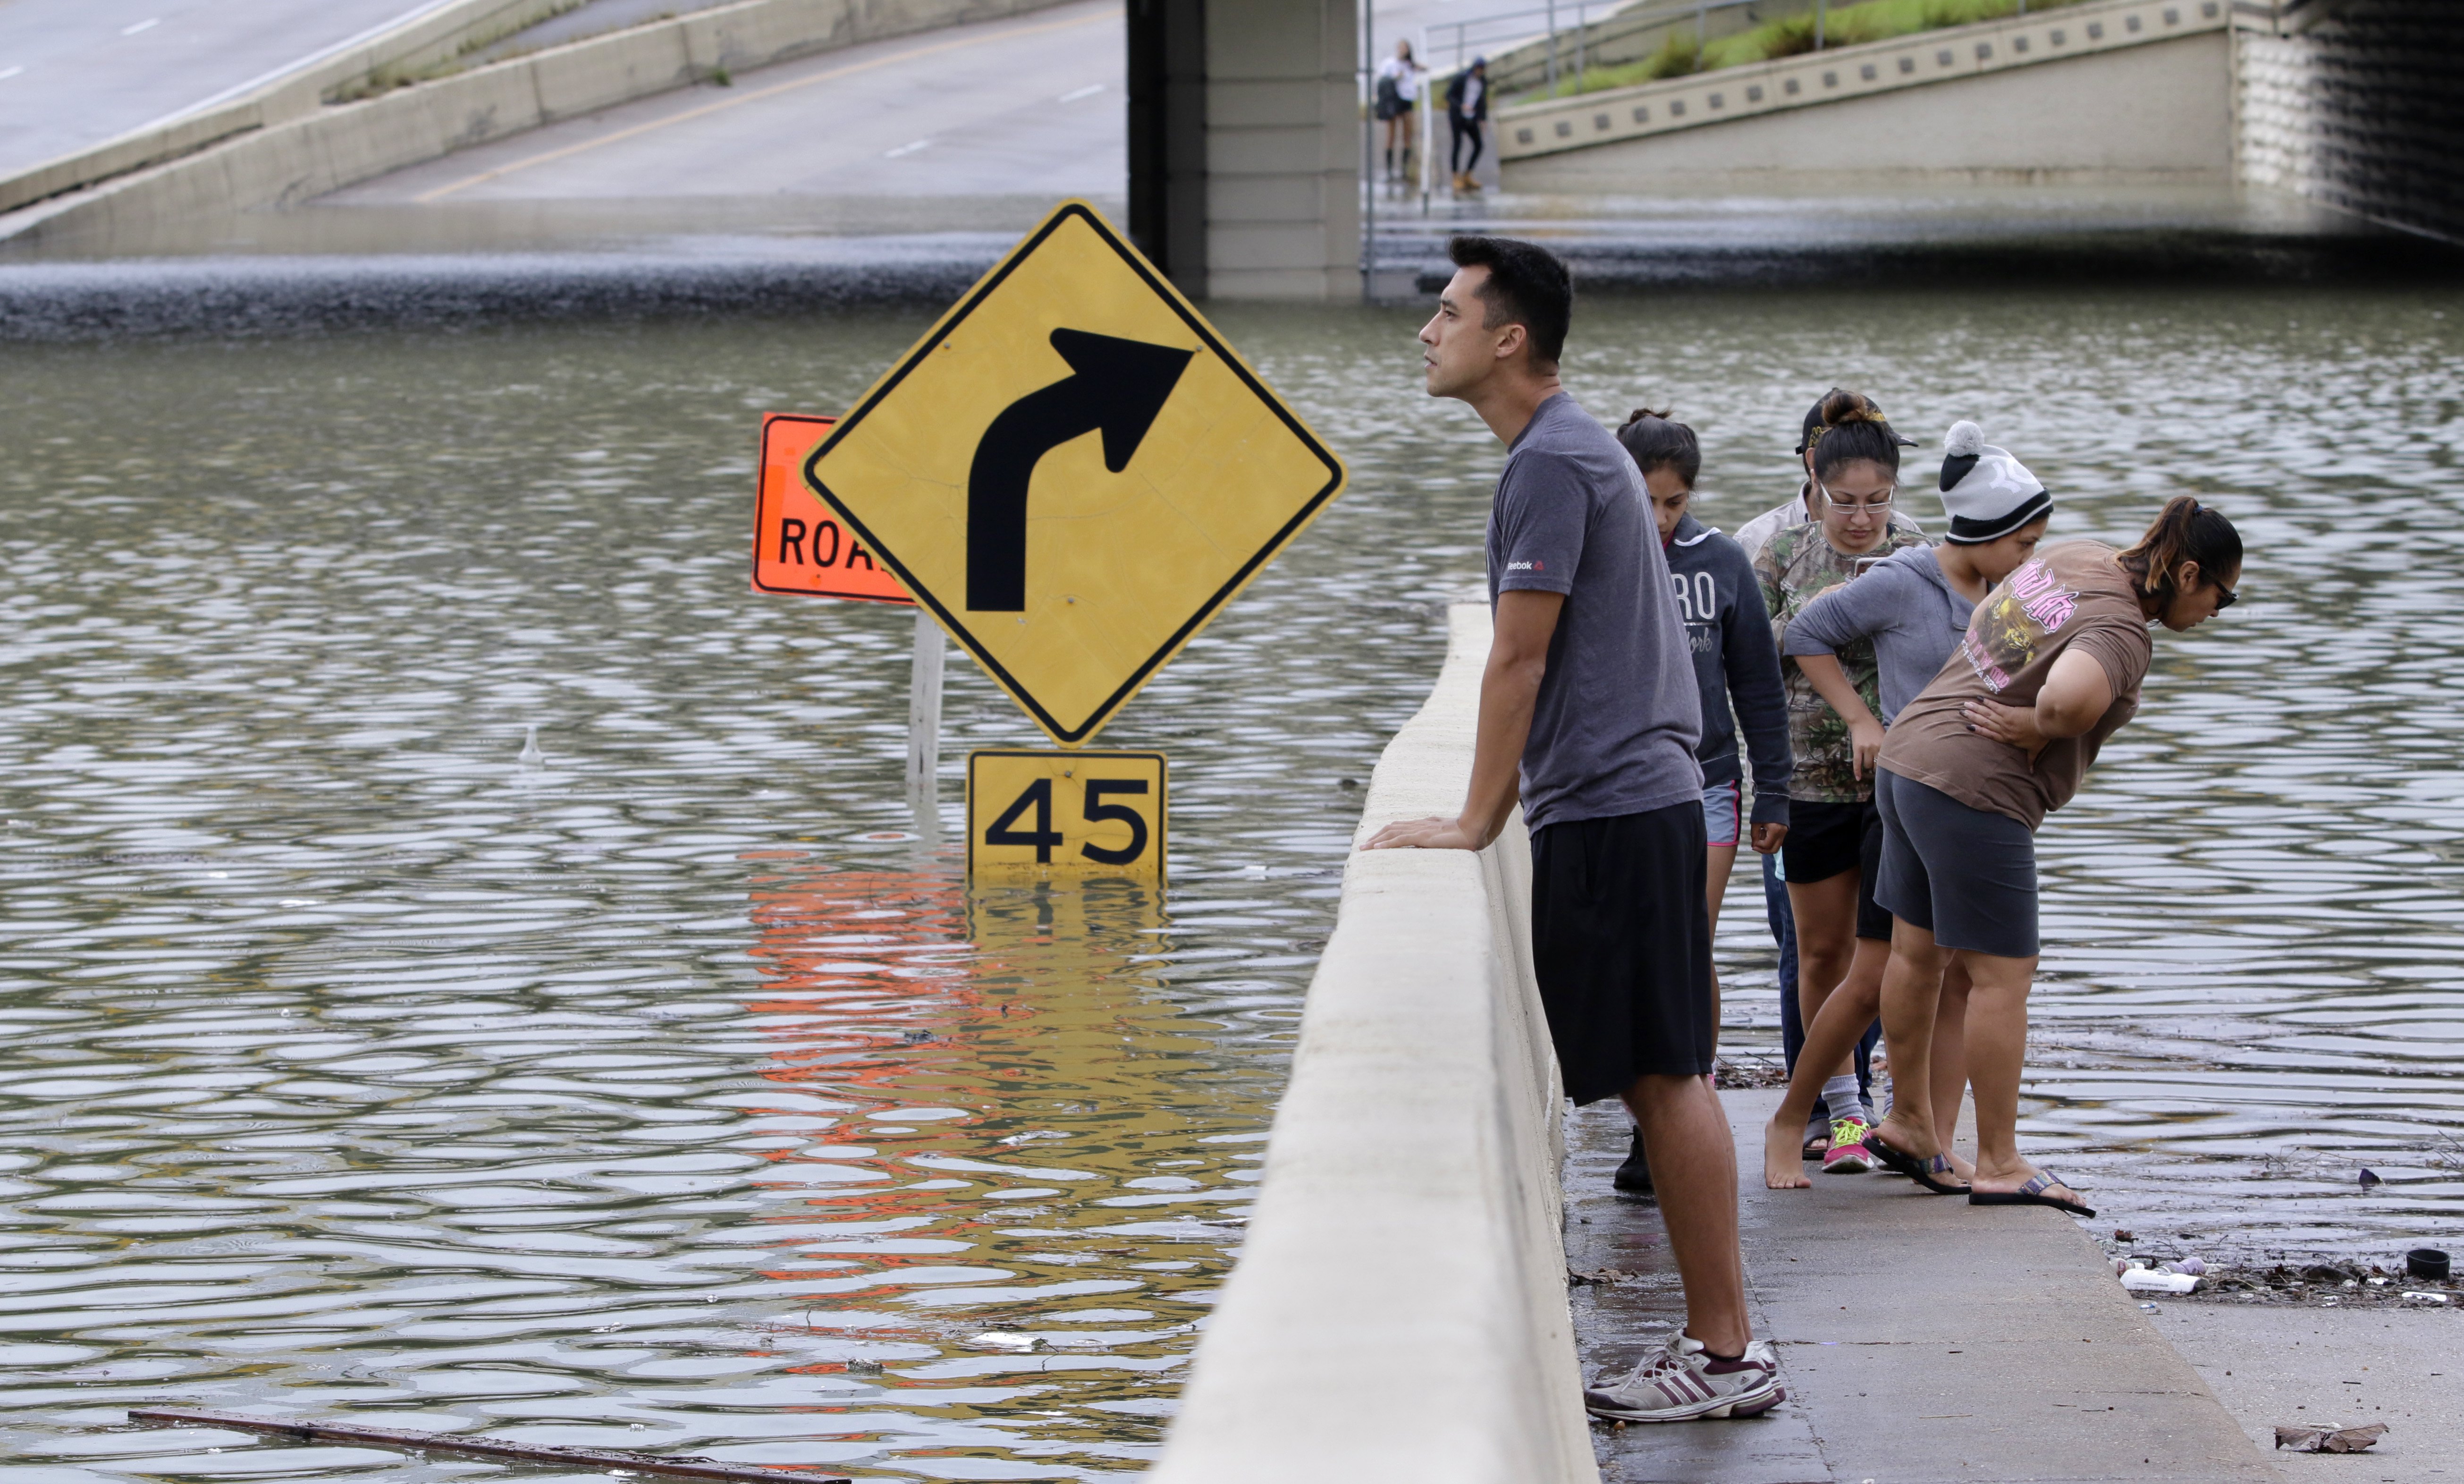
[{"x": 2050, "y": 667}]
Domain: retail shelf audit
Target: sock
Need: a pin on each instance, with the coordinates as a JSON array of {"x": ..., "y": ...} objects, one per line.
[{"x": 1839, "y": 1094}]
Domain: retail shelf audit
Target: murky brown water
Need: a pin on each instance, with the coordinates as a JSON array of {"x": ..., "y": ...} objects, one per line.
[{"x": 651, "y": 1098}]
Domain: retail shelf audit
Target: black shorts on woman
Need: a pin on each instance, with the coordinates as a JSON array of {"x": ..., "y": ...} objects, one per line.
[{"x": 1826, "y": 838}]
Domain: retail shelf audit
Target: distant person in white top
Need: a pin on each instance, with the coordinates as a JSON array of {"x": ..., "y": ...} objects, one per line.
[{"x": 1397, "y": 93}]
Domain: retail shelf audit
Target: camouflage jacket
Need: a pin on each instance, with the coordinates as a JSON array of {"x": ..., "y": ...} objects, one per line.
[{"x": 1795, "y": 567}]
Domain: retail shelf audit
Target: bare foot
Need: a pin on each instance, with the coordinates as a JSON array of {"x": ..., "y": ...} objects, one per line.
[
  {"x": 1964, "y": 1171},
  {"x": 1783, "y": 1159}
]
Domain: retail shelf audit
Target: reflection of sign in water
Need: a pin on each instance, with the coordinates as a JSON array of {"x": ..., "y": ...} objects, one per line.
[
  {"x": 1073, "y": 472},
  {"x": 798, "y": 546},
  {"x": 1069, "y": 813}
]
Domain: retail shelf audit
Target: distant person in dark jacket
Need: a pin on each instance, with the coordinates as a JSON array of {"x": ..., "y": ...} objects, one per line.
[
  {"x": 1467, "y": 113},
  {"x": 1730, "y": 635}
]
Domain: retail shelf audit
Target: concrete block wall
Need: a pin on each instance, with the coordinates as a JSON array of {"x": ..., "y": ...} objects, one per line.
[
  {"x": 2362, "y": 109},
  {"x": 1399, "y": 1312},
  {"x": 1282, "y": 150}
]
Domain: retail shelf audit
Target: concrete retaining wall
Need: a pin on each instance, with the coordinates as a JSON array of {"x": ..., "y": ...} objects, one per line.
[
  {"x": 285, "y": 163},
  {"x": 2111, "y": 92},
  {"x": 2148, "y": 115},
  {"x": 1399, "y": 1312}
]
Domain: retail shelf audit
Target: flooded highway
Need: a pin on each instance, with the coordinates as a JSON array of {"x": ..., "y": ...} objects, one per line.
[{"x": 671, "y": 1094}]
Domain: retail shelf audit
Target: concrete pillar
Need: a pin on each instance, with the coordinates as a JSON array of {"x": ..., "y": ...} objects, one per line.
[
  {"x": 1168, "y": 137},
  {"x": 1255, "y": 192}
]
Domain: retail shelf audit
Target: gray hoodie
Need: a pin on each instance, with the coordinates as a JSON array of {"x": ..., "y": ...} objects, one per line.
[{"x": 1906, "y": 606}]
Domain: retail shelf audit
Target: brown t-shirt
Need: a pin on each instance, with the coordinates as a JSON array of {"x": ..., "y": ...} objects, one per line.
[{"x": 2072, "y": 594}]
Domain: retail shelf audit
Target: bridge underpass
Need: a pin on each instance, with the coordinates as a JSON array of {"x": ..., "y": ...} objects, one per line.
[
  {"x": 2303, "y": 139},
  {"x": 2110, "y": 139}
]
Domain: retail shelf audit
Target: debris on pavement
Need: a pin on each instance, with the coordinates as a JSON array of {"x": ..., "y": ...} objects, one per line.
[{"x": 2328, "y": 1440}]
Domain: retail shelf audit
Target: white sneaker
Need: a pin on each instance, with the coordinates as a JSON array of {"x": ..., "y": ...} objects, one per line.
[{"x": 1681, "y": 1382}]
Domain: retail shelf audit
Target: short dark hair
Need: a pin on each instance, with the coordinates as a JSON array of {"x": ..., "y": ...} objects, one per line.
[
  {"x": 1526, "y": 286},
  {"x": 1657, "y": 443}
]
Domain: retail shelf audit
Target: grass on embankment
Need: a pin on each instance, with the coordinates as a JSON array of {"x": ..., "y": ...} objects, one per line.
[{"x": 1842, "y": 25}]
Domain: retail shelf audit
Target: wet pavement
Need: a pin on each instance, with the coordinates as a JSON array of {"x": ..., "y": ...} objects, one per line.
[{"x": 1921, "y": 1338}]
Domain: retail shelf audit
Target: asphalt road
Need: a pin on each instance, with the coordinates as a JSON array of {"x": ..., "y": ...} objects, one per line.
[
  {"x": 1030, "y": 108},
  {"x": 76, "y": 73}
]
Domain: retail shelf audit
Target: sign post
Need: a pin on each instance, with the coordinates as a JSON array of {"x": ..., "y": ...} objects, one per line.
[
  {"x": 924, "y": 726},
  {"x": 799, "y": 548}
]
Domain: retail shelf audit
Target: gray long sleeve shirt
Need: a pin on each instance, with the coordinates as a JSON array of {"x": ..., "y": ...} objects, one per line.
[{"x": 1906, "y": 606}]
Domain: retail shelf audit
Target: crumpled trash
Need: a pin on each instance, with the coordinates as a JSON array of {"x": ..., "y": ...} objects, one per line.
[
  {"x": 2329, "y": 1440},
  {"x": 2144, "y": 1280}
]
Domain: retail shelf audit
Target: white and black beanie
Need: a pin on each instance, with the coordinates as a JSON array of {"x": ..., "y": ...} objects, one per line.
[{"x": 1986, "y": 492}]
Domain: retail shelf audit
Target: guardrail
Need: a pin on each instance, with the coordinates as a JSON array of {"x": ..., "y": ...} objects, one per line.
[{"x": 1399, "y": 1313}]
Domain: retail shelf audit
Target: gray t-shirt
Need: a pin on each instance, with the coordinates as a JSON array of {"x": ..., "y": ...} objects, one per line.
[{"x": 1617, "y": 721}]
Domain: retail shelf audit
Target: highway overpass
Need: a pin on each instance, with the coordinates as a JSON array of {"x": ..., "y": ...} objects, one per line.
[{"x": 1227, "y": 137}]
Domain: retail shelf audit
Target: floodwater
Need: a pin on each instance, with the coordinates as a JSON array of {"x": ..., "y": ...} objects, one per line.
[{"x": 671, "y": 1094}]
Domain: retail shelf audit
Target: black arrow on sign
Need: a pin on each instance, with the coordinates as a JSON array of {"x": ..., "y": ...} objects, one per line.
[{"x": 1116, "y": 387}]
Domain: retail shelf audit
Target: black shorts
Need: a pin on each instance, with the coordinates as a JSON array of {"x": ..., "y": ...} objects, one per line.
[
  {"x": 1825, "y": 839},
  {"x": 1965, "y": 875},
  {"x": 1623, "y": 947}
]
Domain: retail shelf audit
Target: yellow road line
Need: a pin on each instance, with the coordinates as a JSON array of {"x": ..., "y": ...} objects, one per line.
[{"x": 754, "y": 96}]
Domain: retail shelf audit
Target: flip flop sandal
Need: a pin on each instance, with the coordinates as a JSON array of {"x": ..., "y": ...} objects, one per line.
[
  {"x": 1924, "y": 1171},
  {"x": 1815, "y": 1149},
  {"x": 2033, "y": 1193}
]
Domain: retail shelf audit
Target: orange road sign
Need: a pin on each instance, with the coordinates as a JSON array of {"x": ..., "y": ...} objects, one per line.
[{"x": 799, "y": 544}]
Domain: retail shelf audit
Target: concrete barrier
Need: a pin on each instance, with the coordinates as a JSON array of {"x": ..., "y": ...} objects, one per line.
[
  {"x": 284, "y": 164},
  {"x": 1398, "y": 1310}
]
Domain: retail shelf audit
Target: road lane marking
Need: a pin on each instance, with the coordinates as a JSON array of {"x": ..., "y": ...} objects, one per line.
[
  {"x": 310, "y": 60},
  {"x": 758, "y": 94}
]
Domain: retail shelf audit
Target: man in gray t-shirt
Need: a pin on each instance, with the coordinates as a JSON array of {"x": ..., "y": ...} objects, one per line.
[
  {"x": 1617, "y": 717},
  {"x": 1589, "y": 716}
]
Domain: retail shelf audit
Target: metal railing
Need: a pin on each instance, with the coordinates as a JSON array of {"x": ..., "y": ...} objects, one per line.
[{"x": 1513, "y": 30}]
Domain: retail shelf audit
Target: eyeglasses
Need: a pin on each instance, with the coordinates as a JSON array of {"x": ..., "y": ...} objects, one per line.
[
  {"x": 2226, "y": 597},
  {"x": 1852, "y": 507}
]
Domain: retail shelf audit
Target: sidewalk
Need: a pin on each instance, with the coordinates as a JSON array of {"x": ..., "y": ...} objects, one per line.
[{"x": 1921, "y": 1338}]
